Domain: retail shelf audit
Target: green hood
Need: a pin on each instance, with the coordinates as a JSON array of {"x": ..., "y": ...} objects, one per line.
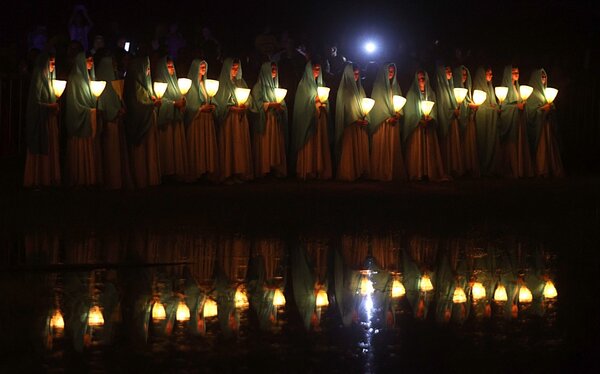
[
  {"x": 225, "y": 97},
  {"x": 383, "y": 90},
  {"x": 510, "y": 112},
  {"x": 196, "y": 96},
  {"x": 535, "y": 116},
  {"x": 109, "y": 102},
  {"x": 40, "y": 94},
  {"x": 167, "y": 112},
  {"x": 79, "y": 99},
  {"x": 264, "y": 92},
  {"x": 305, "y": 111},
  {"x": 348, "y": 109},
  {"x": 446, "y": 103},
  {"x": 412, "y": 110},
  {"x": 486, "y": 118},
  {"x": 138, "y": 100},
  {"x": 464, "y": 107}
]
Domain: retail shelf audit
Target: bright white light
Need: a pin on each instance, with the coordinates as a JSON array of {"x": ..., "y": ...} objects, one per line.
[{"x": 370, "y": 47}]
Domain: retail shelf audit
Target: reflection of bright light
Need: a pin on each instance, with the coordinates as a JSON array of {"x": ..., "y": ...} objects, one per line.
[{"x": 370, "y": 47}]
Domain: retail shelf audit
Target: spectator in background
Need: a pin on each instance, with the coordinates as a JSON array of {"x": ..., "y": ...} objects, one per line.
[
  {"x": 98, "y": 44},
  {"x": 80, "y": 25},
  {"x": 174, "y": 41},
  {"x": 266, "y": 44},
  {"x": 38, "y": 38}
]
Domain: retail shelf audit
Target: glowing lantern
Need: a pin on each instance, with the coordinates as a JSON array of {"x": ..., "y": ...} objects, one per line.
[
  {"x": 500, "y": 294},
  {"x": 549, "y": 290},
  {"x": 366, "y": 105},
  {"x": 398, "y": 289},
  {"x": 241, "y": 299},
  {"x": 425, "y": 285},
  {"x": 525, "y": 295},
  {"x": 183, "y": 312},
  {"x": 57, "y": 321},
  {"x": 323, "y": 93},
  {"x": 159, "y": 89},
  {"x": 525, "y": 92},
  {"x": 158, "y": 311},
  {"x": 184, "y": 85},
  {"x": 280, "y": 94},
  {"x": 210, "y": 308},
  {"x": 59, "y": 87},
  {"x": 459, "y": 296},
  {"x": 501, "y": 93},
  {"x": 97, "y": 87},
  {"x": 241, "y": 95},
  {"x": 478, "y": 291},
  {"x": 212, "y": 86},
  {"x": 460, "y": 94},
  {"x": 322, "y": 299},
  {"x": 366, "y": 286},
  {"x": 479, "y": 97},
  {"x": 550, "y": 94},
  {"x": 278, "y": 298},
  {"x": 427, "y": 107},
  {"x": 398, "y": 102},
  {"x": 95, "y": 318}
]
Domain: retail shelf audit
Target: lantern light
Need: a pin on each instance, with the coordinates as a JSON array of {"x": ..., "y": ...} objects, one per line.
[
  {"x": 97, "y": 87},
  {"x": 525, "y": 295},
  {"x": 398, "y": 102},
  {"x": 323, "y": 93},
  {"x": 500, "y": 294},
  {"x": 398, "y": 289},
  {"x": 183, "y": 312},
  {"x": 241, "y": 299},
  {"x": 549, "y": 290},
  {"x": 59, "y": 87},
  {"x": 278, "y": 298},
  {"x": 425, "y": 284},
  {"x": 479, "y": 97},
  {"x": 212, "y": 86},
  {"x": 501, "y": 93},
  {"x": 159, "y": 89},
  {"x": 184, "y": 85},
  {"x": 57, "y": 321},
  {"x": 427, "y": 107},
  {"x": 525, "y": 92},
  {"x": 158, "y": 311},
  {"x": 370, "y": 47},
  {"x": 322, "y": 299},
  {"x": 280, "y": 94},
  {"x": 210, "y": 308},
  {"x": 459, "y": 296},
  {"x": 241, "y": 95},
  {"x": 550, "y": 94},
  {"x": 460, "y": 94},
  {"x": 95, "y": 318},
  {"x": 478, "y": 291},
  {"x": 366, "y": 286},
  {"x": 366, "y": 105}
]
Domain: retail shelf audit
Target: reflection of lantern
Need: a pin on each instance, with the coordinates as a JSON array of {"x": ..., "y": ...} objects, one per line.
[
  {"x": 97, "y": 87},
  {"x": 278, "y": 298},
  {"x": 280, "y": 94},
  {"x": 525, "y": 91},
  {"x": 550, "y": 94},
  {"x": 549, "y": 290},
  {"x": 398, "y": 289},
  {"x": 366, "y": 105},
  {"x": 158, "y": 311},
  {"x": 241, "y": 95},
  {"x": 500, "y": 294},
  {"x": 525, "y": 295},
  {"x": 184, "y": 85},
  {"x": 425, "y": 284},
  {"x": 210, "y": 308},
  {"x": 241, "y": 299},
  {"x": 159, "y": 89},
  {"x": 57, "y": 321},
  {"x": 366, "y": 286},
  {"x": 427, "y": 107},
  {"x": 323, "y": 93},
  {"x": 478, "y": 291},
  {"x": 322, "y": 299},
  {"x": 501, "y": 93},
  {"x": 59, "y": 87},
  {"x": 398, "y": 102},
  {"x": 183, "y": 312},
  {"x": 212, "y": 86},
  {"x": 460, "y": 94},
  {"x": 479, "y": 97},
  {"x": 459, "y": 296},
  {"x": 95, "y": 318}
]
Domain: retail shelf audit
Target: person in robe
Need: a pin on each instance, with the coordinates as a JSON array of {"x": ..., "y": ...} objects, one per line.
[
  {"x": 310, "y": 131},
  {"x": 235, "y": 152},
  {"x": 171, "y": 134},
  {"x": 542, "y": 129},
  {"x": 462, "y": 79},
  {"x": 448, "y": 123},
  {"x": 351, "y": 137},
  {"x": 270, "y": 125},
  {"x": 423, "y": 157},
  {"x": 42, "y": 164},
  {"x": 114, "y": 147},
  {"x": 387, "y": 161},
  {"x": 140, "y": 123},
  {"x": 486, "y": 118},
  {"x": 81, "y": 124},
  {"x": 200, "y": 130},
  {"x": 513, "y": 120}
]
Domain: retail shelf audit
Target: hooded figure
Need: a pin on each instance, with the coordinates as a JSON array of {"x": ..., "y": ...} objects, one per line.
[
  {"x": 423, "y": 158},
  {"x": 513, "y": 136},
  {"x": 235, "y": 153},
  {"x": 542, "y": 129},
  {"x": 42, "y": 165},
  {"x": 462, "y": 79},
  {"x": 173, "y": 149},
  {"x": 270, "y": 124},
  {"x": 387, "y": 162},
  {"x": 81, "y": 125},
  {"x": 310, "y": 133},
  {"x": 115, "y": 160},
  {"x": 200, "y": 126},
  {"x": 486, "y": 118},
  {"x": 351, "y": 138},
  {"x": 140, "y": 123},
  {"x": 448, "y": 123}
]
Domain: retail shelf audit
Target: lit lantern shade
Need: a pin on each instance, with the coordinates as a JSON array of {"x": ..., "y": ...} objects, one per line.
[
  {"x": 323, "y": 93},
  {"x": 460, "y": 94},
  {"x": 525, "y": 295},
  {"x": 158, "y": 311},
  {"x": 427, "y": 107},
  {"x": 478, "y": 291},
  {"x": 550, "y": 94},
  {"x": 501, "y": 93},
  {"x": 59, "y": 87},
  {"x": 210, "y": 308},
  {"x": 398, "y": 102},
  {"x": 322, "y": 299},
  {"x": 366, "y": 104},
  {"x": 183, "y": 312},
  {"x": 280, "y": 94},
  {"x": 97, "y": 87},
  {"x": 95, "y": 318},
  {"x": 211, "y": 86},
  {"x": 500, "y": 294},
  {"x": 479, "y": 97},
  {"x": 57, "y": 321},
  {"x": 241, "y": 299},
  {"x": 159, "y": 89},
  {"x": 459, "y": 296},
  {"x": 525, "y": 91},
  {"x": 549, "y": 290},
  {"x": 184, "y": 85},
  {"x": 241, "y": 95},
  {"x": 366, "y": 286},
  {"x": 278, "y": 298},
  {"x": 398, "y": 289},
  {"x": 425, "y": 285}
]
